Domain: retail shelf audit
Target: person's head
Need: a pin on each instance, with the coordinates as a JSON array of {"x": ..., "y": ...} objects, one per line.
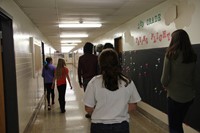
[
  {"x": 110, "y": 69},
  {"x": 99, "y": 48},
  {"x": 108, "y": 45},
  {"x": 88, "y": 48},
  {"x": 61, "y": 64},
  {"x": 108, "y": 59},
  {"x": 49, "y": 60},
  {"x": 181, "y": 42}
]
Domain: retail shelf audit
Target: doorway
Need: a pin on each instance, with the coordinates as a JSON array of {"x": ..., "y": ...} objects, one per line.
[
  {"x": 119, "y": 47},
  {"x": 2, "y": 106},
  {"x": 8, "y": 87},
  {"x": 118, "y": 44}
]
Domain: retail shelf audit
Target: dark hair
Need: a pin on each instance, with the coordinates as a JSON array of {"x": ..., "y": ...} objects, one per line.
[
  {"x": 48, "y": 60},
  {"x": 108, "y": 45},
  {"x": 88, "y": 47},
  {"x": 111, "y": 70},
  {"x": 181, "y": 41}
]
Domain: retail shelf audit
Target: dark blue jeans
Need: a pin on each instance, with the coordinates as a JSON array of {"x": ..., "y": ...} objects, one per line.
[
  {"x": 176, "y": 114},
  {"x": 61, "y": 96},
  {"x": 50, "y": 91},
  {"x": 110, "y": 128}
]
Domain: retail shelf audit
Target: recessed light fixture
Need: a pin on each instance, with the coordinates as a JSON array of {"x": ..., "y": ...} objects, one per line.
[
  {"x": 73, "y": 35},
  {"x": 70, "y": 41},
  {"x": 81, "y": 25}
]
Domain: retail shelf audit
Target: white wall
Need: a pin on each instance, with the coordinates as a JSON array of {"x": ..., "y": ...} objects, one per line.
[
  {"x": 188, "y": 18},
  {"x": 29, "y": 89}
]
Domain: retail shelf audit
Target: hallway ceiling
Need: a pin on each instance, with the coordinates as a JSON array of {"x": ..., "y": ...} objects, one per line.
[{"x": 47, "y": 14}]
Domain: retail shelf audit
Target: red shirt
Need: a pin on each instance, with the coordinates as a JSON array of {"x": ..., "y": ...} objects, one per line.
[{"x": 62, "y": 79}]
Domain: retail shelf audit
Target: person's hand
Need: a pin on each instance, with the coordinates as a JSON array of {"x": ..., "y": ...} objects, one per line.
[
  {"x": 81, "y": 85},
  {"x": 53, "y": 85},
  {"x": 165, "y": 88}
]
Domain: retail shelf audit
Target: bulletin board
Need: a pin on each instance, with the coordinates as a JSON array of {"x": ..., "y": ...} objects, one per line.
[
  {"x": 36, "y": 56},
  {"x": 144, "y": 67}
]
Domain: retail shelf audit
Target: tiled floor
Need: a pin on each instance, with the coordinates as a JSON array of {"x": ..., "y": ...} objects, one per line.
[{"x": 74, "y": 121}]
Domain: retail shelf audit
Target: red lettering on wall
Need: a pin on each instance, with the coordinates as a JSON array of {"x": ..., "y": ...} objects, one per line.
[
  {"x": 154, "y": 37},
  {"x": 164, "y": 34},
  {"x": 168, "y": 36},
  {"x": 142, "y": 40}
]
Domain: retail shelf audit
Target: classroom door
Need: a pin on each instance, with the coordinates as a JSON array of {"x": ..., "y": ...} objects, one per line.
[
  {"x": 118, "y": 44},
  {"x": 2, "y": 103},
  {"x": 119, "y": 47}
]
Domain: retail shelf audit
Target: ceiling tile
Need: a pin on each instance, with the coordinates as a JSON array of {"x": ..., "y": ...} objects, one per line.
[{"x": 36, "y": 3}]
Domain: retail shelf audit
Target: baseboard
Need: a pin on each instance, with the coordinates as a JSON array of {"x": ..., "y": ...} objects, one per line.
[
  {"x": 153, "y": 119},
  {"x": 34, "y": 115}
]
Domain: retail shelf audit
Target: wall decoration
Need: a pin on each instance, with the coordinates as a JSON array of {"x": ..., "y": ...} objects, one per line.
[
  {"x": 180, "y": 12},
  {"x": 153, "y": 38},
  {"x": 151, "y": 20}
]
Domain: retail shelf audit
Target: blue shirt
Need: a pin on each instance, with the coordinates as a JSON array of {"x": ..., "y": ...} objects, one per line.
[{"x": 48, "y": 74}]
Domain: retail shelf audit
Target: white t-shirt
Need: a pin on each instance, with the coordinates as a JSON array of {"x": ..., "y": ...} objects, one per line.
[{"x": 110, "y": 106}]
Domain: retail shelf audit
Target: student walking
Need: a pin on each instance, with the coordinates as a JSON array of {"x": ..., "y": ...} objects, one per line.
[
  {"x": 61, "y": 74},
  {"x": 87, "y": 67},
  {"x": 110, "y": 97},
  {"x": 48, "y": 75},
  {"x": 178, "y": 78}
]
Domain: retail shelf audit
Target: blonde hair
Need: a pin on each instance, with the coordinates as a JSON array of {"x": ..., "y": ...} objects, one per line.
[{"x": 61, "y": 64}]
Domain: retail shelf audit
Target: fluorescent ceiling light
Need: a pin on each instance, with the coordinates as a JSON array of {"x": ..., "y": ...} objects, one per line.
[
  {"x": 81, "y": 25},
  {"x": 70, "y": 41},
  {"x": 69, "y": 44},
  {"x": 73, "y": 35}
]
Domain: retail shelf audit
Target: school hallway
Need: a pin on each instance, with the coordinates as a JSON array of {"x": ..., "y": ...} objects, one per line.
[{"x": 74, "y": 121}]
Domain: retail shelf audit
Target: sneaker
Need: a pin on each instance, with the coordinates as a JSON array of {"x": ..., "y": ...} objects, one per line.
[
  {"x": 63, "y": 111},
  {"x": 88, "y": 116},
  {"x": 49, "y": 107}
]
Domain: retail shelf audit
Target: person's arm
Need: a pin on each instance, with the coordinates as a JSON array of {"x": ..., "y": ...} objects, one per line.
[
  {"x": 67, "y": 76},
  {"x": 165, "y": 78},
  {"x": 69, "y": 80},
  {"x": 89, "y": 110},
  {"x": 43, "y": 72},
  {"x": 53, "y": 83},
  {"x": 134, "y": 97},
  {"x": 79, "y": 73},
  {"x": 97, "y": 67},
  {"x": 89, "y": 98},
  {"x": 54, "y": 80},
  {"x": 132, "y": 107}
]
